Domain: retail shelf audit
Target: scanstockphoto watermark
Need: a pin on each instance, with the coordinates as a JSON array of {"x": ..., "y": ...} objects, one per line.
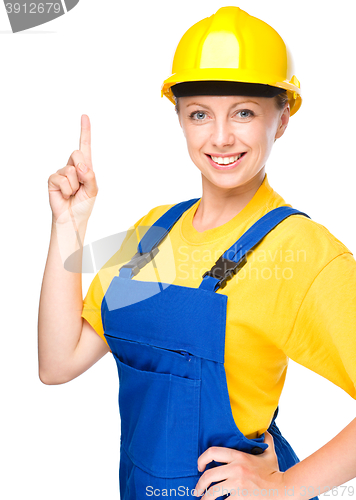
[
  {"x": 182, "y": 262},
  {"x": 110, "y": 251},
  {"x": 263, "y": 263},
  {"x": 212, "y": 491},
  {"x": 304, "y": 491},
  {"x": 155, "y": 259}
]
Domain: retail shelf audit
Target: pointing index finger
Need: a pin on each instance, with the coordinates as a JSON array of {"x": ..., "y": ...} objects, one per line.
[{"x": 85, "y": 140}]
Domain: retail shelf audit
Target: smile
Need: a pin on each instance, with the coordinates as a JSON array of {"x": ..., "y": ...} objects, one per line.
[
  {"x": 225, "y": 163},
  {"x": 226, "y": 160}
]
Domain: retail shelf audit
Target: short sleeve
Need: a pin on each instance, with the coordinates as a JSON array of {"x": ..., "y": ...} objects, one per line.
[
  {"x": 97, "y": 289},
  {"x": 323, "y": 337}
]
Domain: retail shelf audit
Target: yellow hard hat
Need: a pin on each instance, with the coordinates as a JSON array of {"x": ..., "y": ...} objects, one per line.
[{"x": 232, "y": 46}]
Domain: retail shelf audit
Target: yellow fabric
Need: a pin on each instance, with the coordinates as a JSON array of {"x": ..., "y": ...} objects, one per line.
[{"x": 295, "y": 298}]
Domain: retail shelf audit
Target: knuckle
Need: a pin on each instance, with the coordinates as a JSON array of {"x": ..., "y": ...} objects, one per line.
[
  {"x": 244, "y": 458},
  {"x": 70, "y": 169},
  {"x": 239, "y": 469},
  {"x": 208, "y": 475}
]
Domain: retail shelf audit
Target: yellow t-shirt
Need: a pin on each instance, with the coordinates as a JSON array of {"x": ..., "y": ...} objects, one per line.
[{"x": 295, "y": 298}]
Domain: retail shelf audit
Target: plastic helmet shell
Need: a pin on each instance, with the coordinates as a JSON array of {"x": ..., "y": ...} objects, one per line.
[{"x": 231, "y": 45}]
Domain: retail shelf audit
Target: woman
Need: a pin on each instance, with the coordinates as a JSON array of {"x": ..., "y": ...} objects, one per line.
[{"x": 202, "y": 316}]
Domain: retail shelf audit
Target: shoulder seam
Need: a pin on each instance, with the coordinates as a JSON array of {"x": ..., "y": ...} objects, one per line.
[
  {"x": 156, "y": 208},
  {"x": 331, "y": 237},
  {"x": 307, "y": 290}
]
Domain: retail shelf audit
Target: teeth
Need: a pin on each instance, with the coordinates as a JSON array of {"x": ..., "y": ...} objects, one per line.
[{"x": 227, "y": 160}]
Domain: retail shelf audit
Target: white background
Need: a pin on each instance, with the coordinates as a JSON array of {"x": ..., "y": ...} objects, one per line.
[{"x": 108, "y": 59}]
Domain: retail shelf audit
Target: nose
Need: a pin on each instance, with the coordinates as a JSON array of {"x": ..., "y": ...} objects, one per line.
[{"x": 222, "y": 134}]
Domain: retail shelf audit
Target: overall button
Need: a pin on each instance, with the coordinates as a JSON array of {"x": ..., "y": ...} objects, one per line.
[{"x": 256, "y": 450}]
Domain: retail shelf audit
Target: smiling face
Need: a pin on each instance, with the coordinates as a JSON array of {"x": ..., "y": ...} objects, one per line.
[{"x": 230, "y": 138}]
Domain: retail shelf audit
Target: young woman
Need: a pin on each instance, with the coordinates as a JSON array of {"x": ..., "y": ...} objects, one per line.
[{"x": 208, "y": 298}]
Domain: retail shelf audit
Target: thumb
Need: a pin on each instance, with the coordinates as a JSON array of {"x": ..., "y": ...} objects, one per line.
[
  {"x": 82, "y": 169},
  {"x": 269, "y": 439},
  {"x": 86, "y": 176},
  {"x": 271, "y": 451}
]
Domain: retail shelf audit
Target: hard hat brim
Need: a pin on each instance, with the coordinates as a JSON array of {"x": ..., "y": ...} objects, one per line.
[
  {"x": 233, "y": 75},
  {"x": 219, "y": 87}
]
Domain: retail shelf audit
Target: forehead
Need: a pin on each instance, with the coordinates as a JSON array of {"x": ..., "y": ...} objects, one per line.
[{"x": 223, "y": 101}]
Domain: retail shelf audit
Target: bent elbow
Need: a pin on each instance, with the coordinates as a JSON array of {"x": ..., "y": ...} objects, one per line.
[{"x": 47, "y": 379}]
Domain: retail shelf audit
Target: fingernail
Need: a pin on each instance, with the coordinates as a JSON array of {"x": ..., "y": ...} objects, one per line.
[{"x": 82, "y": 167}]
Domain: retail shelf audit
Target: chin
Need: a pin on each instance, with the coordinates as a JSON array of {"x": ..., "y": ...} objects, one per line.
[{"x": 228, "y": 184}]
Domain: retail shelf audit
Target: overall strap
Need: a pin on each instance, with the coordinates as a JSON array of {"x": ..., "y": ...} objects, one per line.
[
  {"x": 234, "y": 258},
  {"x": 147, "y": 247}
]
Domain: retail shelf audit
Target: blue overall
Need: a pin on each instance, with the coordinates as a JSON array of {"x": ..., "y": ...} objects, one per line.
[{"x": 168, "y": 342}]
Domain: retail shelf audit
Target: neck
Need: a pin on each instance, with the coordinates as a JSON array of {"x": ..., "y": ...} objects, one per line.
[{"x": 218, "y": 206}]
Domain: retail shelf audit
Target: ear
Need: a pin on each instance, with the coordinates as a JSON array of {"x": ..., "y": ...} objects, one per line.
[{"x": 283, "y": 122}]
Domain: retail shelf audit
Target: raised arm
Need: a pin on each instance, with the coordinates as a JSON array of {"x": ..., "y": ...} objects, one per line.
[{"x": 67, "y": 344}]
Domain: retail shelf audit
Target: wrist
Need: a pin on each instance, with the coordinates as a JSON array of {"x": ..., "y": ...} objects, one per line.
[
  {"x": 279, "y": 487},
  {"x": 69, "y": 238}
]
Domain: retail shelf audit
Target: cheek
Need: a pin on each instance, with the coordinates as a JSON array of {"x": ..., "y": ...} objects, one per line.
[
  {"x": 251, "y": 135},
  {"x": 271, "y": 127},
  {"x": 195, "y": 139},
  {"x": 259, "y": 136}
]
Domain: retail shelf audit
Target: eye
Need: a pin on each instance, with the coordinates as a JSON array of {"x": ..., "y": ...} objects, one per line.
[
  {"x": 197, "y": 115},
  {"x": 245, "y": 113}
]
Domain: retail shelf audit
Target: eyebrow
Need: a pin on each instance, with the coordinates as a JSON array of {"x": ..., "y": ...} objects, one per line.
[{"x": 232, "y": 106}]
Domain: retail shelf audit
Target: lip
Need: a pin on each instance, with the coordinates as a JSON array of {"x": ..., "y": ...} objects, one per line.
[
  {"x": 226, "y": 167},
  {"x": 227, "y": 155}
]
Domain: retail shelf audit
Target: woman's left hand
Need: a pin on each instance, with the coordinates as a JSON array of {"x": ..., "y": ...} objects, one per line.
[{"x": 251, "y": 473}]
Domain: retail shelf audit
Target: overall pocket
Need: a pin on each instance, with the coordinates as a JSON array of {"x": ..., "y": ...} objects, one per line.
[{"x": 159, "y": 421}]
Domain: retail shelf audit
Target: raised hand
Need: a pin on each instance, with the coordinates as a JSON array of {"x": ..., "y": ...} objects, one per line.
[{"x": 73, "y": 189}]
